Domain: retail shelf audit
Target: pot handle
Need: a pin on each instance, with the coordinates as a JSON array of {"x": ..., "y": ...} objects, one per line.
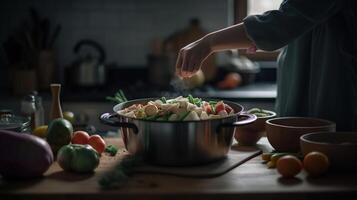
[
  {"x": 249, "y": 118},
  {"x": 106, "y": 118}
]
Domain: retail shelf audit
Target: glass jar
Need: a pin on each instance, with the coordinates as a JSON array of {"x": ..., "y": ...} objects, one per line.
[{"x": 31, "y": 107}]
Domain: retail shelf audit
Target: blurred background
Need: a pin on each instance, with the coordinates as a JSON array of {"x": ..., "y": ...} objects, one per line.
[{"x": 94, "y": 48}]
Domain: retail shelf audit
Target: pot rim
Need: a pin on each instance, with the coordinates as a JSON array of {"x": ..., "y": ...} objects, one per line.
[
  {"x": 304, "y": 138},
  {"x": 329, "y": 124},
  {"x": 172, "y": 122}
]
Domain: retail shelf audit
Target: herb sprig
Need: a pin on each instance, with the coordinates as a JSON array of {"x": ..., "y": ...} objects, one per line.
[{"x": 118, "y": 97}]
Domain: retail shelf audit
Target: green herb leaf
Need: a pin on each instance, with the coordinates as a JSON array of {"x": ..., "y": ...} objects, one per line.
[
  {"x": 120, "y": 174},
  {"x": 118, "y": 97},
  {"x": 198, "y": 102},
  {"x": 112, "y": 150},
  {"x": 190, "y": 99},
  {"x": 213, "y": 102}
]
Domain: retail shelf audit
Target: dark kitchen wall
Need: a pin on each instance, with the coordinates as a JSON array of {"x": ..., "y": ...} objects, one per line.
[{"x": 124, "y": 27}]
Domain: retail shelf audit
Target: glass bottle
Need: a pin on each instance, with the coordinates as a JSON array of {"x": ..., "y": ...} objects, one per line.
[
  {"x": 40, "y": 112},
  {"x": 28, "y": 109}
]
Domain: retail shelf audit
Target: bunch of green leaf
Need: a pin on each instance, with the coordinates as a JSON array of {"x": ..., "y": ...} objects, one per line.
[{"x": 118, "y": 97}]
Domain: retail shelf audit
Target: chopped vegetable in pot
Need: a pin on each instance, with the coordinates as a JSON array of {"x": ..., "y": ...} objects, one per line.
[{"x": 178, "y": 109}]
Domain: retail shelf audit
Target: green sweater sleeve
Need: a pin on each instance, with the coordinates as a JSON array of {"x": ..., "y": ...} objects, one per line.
[{"x": 275, "y": 29}]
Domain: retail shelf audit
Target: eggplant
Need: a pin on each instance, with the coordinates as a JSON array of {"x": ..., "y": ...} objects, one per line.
[{"x": 23, "y": 155}]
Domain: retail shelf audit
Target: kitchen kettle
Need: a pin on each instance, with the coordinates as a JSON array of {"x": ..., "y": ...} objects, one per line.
[{"x": 88, "y": 70}]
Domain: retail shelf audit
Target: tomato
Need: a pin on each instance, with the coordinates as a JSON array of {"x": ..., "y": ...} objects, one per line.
[
  {"x": 316, "y": 163},
  {"x": 219, "y": 107},
  {"x": 288, "y": 166},
  {"x": 97, "y": 143},
  {"x": 78, "y": 158},
  {"x": 80, "y": 137},
  {"x": 208, "y": 108}
]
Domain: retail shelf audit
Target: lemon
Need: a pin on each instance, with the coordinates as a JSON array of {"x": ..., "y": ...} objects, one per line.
[{"x": 40, "y": 131}]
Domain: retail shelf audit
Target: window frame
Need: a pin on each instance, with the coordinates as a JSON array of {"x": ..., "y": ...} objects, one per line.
[{"x": 240, "y": 10}]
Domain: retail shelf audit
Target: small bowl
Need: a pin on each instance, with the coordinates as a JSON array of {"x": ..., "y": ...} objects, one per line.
[
  {"x": 339, "y": 147},
  {"x": 284, "y": 133},
  {"x": 250, "y": 134}
]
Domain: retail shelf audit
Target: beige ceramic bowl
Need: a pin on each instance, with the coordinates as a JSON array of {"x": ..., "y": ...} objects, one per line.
[
  {"x": 284, "y": 133},
  {"x": 250, "y": 134},
  {"x": 339, "y": 147}
]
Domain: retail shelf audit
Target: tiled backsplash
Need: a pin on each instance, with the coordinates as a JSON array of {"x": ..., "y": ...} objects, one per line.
[{"x": 124, "y": 27}]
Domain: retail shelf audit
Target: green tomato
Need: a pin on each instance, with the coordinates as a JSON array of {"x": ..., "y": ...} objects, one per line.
[
  {"x": 65, "y": 156},
  {"x": 78, "y": 158},
  {"x": 68, "y": 115}
]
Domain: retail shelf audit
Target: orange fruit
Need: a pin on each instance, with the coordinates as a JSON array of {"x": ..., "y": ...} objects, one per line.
[
  {"x": 289, "y": 166},
  {"x": 97, "y": 143},
  {"x": 80, "y": 137},
  {"x": 316, "y": 163}
]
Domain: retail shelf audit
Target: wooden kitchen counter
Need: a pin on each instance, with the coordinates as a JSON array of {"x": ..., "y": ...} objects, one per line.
[{"x": 252, "y": 180}]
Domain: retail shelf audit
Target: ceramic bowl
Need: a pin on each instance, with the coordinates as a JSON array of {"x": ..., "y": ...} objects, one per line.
[
  {"x": 250, "y": 134},
  {"x": 284, "y": 133},
  {"x": 339, "y": 147}
]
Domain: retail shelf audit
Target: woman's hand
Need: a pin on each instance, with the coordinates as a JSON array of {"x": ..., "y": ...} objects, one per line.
[{"x": 191, "y": 57}]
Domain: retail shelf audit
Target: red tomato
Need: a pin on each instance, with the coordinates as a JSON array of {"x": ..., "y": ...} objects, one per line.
[
  {"x": 219, "y": 107},
  {"x": 80, "y": 137},
  {"x": 207, "y": 108},
  {"x": 97, "y": 143},
  {"x": 289, "y": 166}
]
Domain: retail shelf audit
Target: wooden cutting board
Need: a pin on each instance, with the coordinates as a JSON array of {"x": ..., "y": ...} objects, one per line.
[{"x": 236, "y": 156}]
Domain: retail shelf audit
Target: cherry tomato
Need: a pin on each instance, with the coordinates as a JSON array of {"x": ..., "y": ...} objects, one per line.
[
  {"x": 80, "y": 137},
  {"x": 207, "y": 107},
  {"x": 288, "y": 166},
  {"x": 97, "y": 143},
  {"x": 220, "y": 106},
  {"x": 316, "y": 163}
]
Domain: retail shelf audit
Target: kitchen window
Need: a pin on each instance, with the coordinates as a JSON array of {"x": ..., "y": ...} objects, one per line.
[{"x": 242, "y": 8}]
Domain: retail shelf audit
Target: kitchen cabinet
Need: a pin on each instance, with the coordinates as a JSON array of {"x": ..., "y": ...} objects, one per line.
[{"x": 251, "y": 180}]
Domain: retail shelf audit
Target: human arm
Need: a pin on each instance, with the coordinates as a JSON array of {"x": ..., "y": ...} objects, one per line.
[
  {"x": 270, "y": 31},
  {"x": 190, "y": 57}
]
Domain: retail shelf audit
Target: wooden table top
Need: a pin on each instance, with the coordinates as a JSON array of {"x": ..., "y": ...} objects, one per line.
[{"x": 251, "y": 180}]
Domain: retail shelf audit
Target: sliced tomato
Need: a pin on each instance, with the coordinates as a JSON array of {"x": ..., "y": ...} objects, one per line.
[
  {"x": 207, "y": 107},
  {"x": 219, "y": 107},
  {"x": 228, "y": 108}
]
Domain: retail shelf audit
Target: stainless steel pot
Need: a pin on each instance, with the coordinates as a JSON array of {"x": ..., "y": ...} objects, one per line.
[{"x": 177, "y": 143}]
